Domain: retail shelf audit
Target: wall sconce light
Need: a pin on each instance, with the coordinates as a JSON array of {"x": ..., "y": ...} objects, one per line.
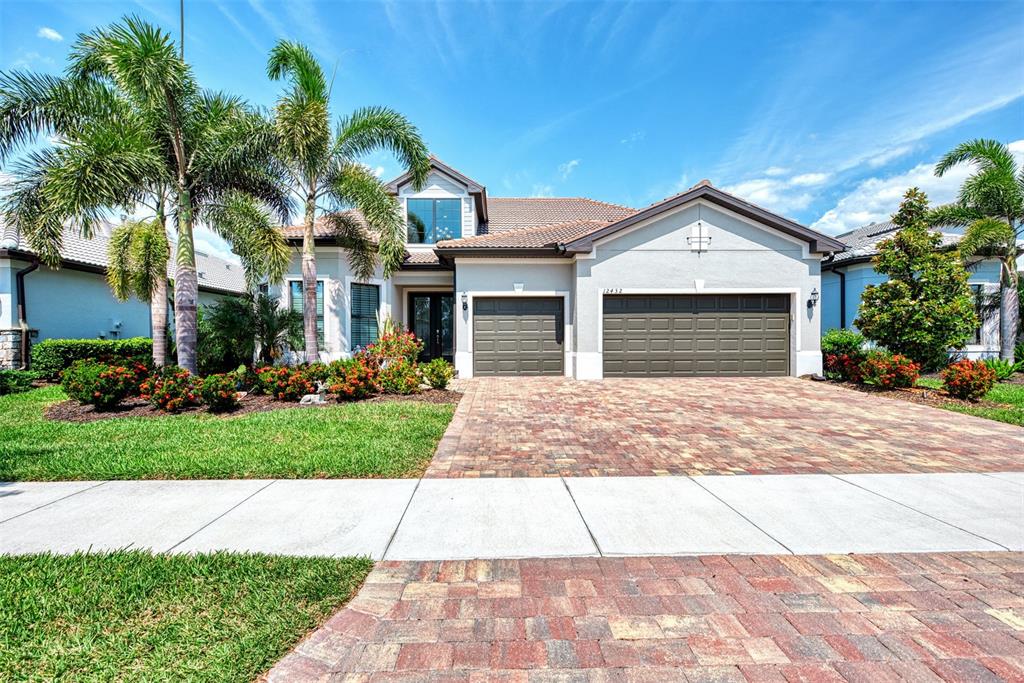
[
  {"x": 465, "y": 301},
  {"x": 813, "y": 301}
]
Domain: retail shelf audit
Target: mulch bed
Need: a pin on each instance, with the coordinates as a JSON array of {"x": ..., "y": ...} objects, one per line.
[
  {"x": 931, "y": 397},
  {"x": 72, "y": 411}
]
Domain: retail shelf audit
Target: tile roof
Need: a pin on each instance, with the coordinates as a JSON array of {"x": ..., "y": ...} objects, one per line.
[
  {"x": 322, "y": 228},
  {"x": 862, "y": 243},
  {"x": 514, "y": 213},
  {"x": 421, "y": 258},
  {"x": 528, "y": 238},
  {"x": 214, "y": 273}
]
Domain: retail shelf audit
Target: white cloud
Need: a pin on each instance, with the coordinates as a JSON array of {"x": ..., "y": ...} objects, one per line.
[
  {"x": 49, "y": 34},
  {"x": 809, "y": 179},
  {"x": 542, "y": 190},
  {"x": 774, "y": 194},
  {"x": 32, "y": 60},
  {"x": 633, "y": 138},
  {"x": 565, "y": 170},
  {"x": 773, "y": 171},
  {"x": 884, "y": 157},
  {"x": 876, "y": 199}
]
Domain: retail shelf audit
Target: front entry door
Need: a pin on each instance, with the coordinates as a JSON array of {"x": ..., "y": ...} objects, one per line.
[{"x": 432, "y": 319}]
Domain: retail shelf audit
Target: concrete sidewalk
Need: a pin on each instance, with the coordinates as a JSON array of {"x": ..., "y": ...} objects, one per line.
[{"x": 433, "y": 519}]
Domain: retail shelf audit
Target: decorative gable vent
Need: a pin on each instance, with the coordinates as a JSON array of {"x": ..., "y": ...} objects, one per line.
[{"x": 700, "y": 237}]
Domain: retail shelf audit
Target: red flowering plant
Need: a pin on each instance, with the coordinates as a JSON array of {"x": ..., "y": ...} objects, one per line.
[
  {"x": 399, "y": 376},
  {"x": 890, "y": 371},
  {"x": 284, "y": 383},
  {"x": 98, "y": 384},
  {"x": 353, "y": 379},
  {"x": 843, "y": 366},
  {"x": 171, "y": 388},
  {"x": 968, "y": 380},
  {"x": 220, "y": 392},
  {"x": 395, "y": 345}
]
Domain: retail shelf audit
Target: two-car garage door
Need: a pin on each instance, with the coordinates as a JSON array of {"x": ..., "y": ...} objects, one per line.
[{"x": 669, "y": 335}]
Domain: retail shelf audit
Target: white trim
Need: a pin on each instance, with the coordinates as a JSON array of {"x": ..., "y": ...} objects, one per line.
[
  {"x": 795, "y": 324},
  {"x": 466, "y": 357},
  {"x": 804, "y": 245},
  {"x": 549, "y": 261},
  {"x": 383, "y": 305}
]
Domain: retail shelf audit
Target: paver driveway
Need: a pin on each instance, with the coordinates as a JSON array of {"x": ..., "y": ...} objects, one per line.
[
  {"x": 539, "y": 426},
  {"x": 878, "y": 618}
]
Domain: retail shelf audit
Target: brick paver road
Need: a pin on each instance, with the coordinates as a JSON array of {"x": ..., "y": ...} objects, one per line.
[
  {"x": 951, "y": 617},
  {"x": 543, "y": 426}
]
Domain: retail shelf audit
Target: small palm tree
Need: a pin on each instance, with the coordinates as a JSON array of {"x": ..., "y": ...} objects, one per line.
[
  {"x": 130, "y": 118},
  {"x": 138, "y": 253},
  {"x": 251, "y": 326},
  {"x": 326, "y": 175},
  {"x": 991, "y": 205}
]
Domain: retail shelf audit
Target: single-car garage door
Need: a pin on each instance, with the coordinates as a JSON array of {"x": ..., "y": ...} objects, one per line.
[
  {"x": 696, "y": 334},
  {"x": 518, "y": 336}
]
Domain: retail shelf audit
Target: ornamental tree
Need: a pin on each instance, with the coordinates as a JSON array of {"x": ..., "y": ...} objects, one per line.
[{"x": 926, "y": 307}]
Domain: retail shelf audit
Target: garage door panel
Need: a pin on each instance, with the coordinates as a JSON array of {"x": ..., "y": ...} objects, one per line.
[
  {"x": 696, "y": 335},
  {"x": 518, "y": 336}
]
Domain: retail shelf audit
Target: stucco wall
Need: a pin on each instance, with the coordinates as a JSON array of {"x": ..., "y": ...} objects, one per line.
[
  {"x": 522, "y": 277},
  {"x": 657, "y": 257}
]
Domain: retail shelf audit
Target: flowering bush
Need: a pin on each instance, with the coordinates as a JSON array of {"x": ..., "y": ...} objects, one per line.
[
  {"x": 318, "y": 372},
  {"x": 219, "y": 391},
  {"x": 890, "y": 371},
  {"x": 843, "y": 352},
  {"x": 352, "y": 379},
  {"x": 171, "y": 388},
  {"x": 284, "y": 383},
  {"x": 844, "y": 367},
  {"x": 437, "y": 373},
  {"x": 399, "y": 376},
  {"x": 968, "y": 380},
  {"x": 395, "y": 345},
  {"x": 98, "y": 384}
]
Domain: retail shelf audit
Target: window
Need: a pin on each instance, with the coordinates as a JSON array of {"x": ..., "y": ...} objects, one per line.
[
  {"x": 433, "y": 220},
  {"x": 296, "y": 296},
  {"x": 365, "y": 302},
  {"x": 981, "y": 309}
]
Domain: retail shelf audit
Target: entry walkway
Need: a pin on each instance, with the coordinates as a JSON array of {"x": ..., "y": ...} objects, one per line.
[{"x": 439, "y": 519}]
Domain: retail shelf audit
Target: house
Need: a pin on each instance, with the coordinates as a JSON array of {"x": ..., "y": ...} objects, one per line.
[
  {"x": 75, "y": 302},
  {"x": 702, "y": 283},
  {"x": 846, "y": 274}
]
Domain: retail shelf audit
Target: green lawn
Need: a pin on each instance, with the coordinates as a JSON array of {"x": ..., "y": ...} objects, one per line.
[
  {"x": 395, "y": 439},
  {"x": 1010, "y": 394},
  {"x": 133, "y": 616}
]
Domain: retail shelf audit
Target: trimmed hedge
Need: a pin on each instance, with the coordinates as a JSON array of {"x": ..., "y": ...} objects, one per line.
[
  {"x": 15, "y": 381},
  {"x": 51, "y": 356}
]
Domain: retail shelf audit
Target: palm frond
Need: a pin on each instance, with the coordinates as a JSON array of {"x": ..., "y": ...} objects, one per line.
[
  {"x": 295, "y": 61},
  {"x": 353, "y": 184},
  {"x": 25, "y": 208},
  {"x": 301, "y": 116},
  {"x": 376, "y": 128},
  {"x": 351, "y": 234},
  {"x": 119, "y": 262},
  {"x": 952, "y": 215},
  {"x": 254, "y": 237},
  {"x": 137, "y": 254},
  {"x": 986, "y": 236},
  {"x": 987, "y": 154}
]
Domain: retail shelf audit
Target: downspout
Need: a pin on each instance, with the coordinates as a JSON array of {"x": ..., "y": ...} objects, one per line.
[
  {"x": 842, "y": 297},
  {"x": 22, "y": 317}
]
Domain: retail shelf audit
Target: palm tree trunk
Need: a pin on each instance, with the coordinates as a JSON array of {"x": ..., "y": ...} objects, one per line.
[
  {"x": 1009, "y": 312},
  {"x": 186, "y": 287},
  {"x": 309, "y": 283},
  {"x": 158, "y": 320}
]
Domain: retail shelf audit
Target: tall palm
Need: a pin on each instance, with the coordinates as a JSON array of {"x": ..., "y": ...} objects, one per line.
[
  {"x": 326, "y": 175},
  {"x": 129, "y": 117},
  {"x": 138, "y": 253},
  {"x": 991, "y": 205}
]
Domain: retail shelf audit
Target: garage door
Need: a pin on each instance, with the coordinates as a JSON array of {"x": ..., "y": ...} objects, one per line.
[
  {"x": 520, "y": 336},
  {"x": 661, "y": 336}
]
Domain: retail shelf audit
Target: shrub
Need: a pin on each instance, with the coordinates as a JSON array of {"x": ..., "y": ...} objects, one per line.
[
  {"x": 968, "y": 380},
  {"x": 844, "y": 367},
  {"x": 890, "y": 371},
  {"x": 171, "y": 388},
  {"x": 318, "y": 372},
  {"x": 399, "y": 376},
  {"x": 437, "y": 373},
  {"x": 353, "y": 379},
  {"x": 396, "y": 345},
  {"x": 1004, "y": 369},
  {"x": 840, "y": 341},
  {"x": 98, "y": 384},
  {"x": 283, "y": 383},
  {"x": 15, "y": 381},
  {"x": 220, "y": 392},
  {"x": 51, "y": 356}
]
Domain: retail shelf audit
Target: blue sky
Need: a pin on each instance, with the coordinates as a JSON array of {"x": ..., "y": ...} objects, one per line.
[{"x": 823, "y": 112}]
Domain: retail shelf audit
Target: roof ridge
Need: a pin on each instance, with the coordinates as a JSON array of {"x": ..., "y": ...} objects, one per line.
[
  {"x": 530, "y": 230},
  {"x": 586, "y": 199}
]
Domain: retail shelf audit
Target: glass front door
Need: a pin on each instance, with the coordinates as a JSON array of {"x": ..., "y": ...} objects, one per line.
[{"x": 432, "y": 319}]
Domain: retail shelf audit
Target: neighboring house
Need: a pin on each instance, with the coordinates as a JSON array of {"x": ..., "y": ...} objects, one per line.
[
  {"x": 702, "y": 283},
  {"x": 845, "y": 276},
  {"x": 75, "y": 302}
]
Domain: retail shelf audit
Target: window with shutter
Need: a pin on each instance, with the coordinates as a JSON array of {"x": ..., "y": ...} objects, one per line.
[
  {"x": 296, "y": 299},
  {"x": 365, "y": 302}
]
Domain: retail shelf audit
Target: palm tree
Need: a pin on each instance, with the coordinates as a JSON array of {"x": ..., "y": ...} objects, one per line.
[
  {"x": 991, "y": 205},
  {"x": 324, "y": 168},
  {"x": 138, "y": 253},
  {"x": 129, "y": 117},
  {"x": 251, "y": 326}
]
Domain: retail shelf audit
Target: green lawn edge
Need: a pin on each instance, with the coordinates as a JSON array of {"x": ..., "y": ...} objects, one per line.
[
  {"x": 349, "y": 440},
  {"x": 1010, "y": 395}
]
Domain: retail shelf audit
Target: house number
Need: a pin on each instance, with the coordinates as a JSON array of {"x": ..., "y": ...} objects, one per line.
[{"x": 613, "y": 291}]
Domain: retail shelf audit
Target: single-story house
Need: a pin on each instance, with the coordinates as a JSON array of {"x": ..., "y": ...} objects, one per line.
[
  {"x": 74, "y": 302},
  {"x": 702, "y": 283},
  {"x": 846, "y": 274}
]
